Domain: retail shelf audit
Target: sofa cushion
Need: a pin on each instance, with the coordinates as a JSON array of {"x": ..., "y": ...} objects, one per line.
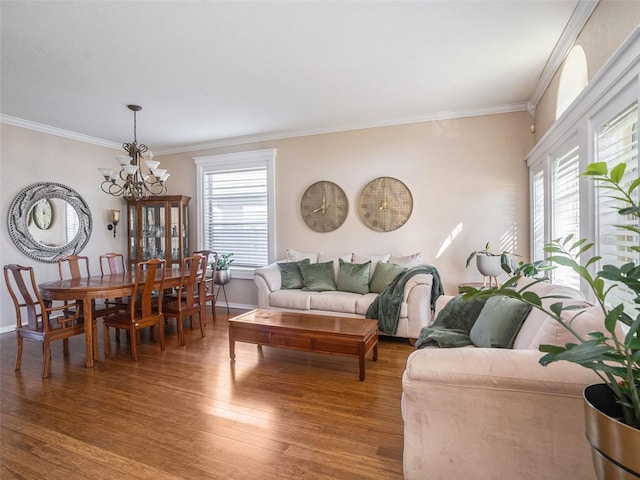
[
  {"x": 385, "y": 273},
  {"x": 353, "y": 277},
  {"x": 291, "y": 276},
  {"x": 296, "y": 256},
  {"x": 499, "y": 322},
  {"x": 408, "y": 261},
  {"x": 374, "y": 259},
  {"x": 343, "y": 302},
  {"x": 295, "y": 299},
  {"x": 318, "y": 277},
  {"x": 363, "y": 302}
]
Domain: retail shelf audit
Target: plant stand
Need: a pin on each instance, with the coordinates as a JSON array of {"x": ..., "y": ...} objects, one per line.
[{"x": 225, "y": 296}]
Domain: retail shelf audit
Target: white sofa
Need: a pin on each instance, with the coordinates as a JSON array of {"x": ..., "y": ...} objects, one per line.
[
  {"x": 416, "y": 310},
  {"x": 495, "y": 413}
]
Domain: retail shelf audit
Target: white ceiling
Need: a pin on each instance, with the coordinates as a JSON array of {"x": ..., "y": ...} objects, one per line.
[{"x": 208, "y": 72}]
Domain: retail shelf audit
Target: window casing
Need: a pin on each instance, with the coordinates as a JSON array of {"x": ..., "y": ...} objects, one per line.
[
  {"x": 236, "y": 207},
  {"x": 601, "y": 125}
]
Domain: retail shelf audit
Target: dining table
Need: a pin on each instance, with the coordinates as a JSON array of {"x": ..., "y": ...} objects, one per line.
[{"x": 88, "y": 289}]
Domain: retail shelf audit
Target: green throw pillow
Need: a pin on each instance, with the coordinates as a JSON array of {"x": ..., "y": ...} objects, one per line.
[
  {"x": 383, "y": 275},
  {"x": 291, "y": 276},
  {"x": 353, "y": 277},
  {"x": 318, "y": 277},
  {"x": 499, "y": 322}
]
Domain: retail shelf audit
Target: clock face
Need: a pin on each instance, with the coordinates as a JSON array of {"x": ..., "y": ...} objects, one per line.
[
  {"x": 324, "y": 206},
  {"x": 42, "y": 214},
  {"x": 385, "y": 204}
]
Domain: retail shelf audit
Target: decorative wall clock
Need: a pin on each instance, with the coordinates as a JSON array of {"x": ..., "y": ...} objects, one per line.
[
  {"x": 43, "y": 214},
  {"x": 385, "y": 204},
  {"x": 324, "y": 206}
]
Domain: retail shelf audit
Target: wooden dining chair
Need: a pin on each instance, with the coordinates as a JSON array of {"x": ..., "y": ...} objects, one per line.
[
  {"x": 211, "y": 260},
  {"x": 143, "y": 310},
  {"x": 111, "y": 264},
  {"x": 40, "y": 323},
  {"x": 74, "y": 267},
  {"x": 186, "y": 300}
]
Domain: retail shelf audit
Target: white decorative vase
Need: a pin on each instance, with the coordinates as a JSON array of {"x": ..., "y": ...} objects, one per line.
[{"x": 489, "y": 265}]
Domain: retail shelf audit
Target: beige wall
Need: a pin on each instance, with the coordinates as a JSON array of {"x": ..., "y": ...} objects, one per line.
[
  {"x": 467, "y": 177},
  {"x": 27, "y": 157},
  {"x": 610, "y": 24}
]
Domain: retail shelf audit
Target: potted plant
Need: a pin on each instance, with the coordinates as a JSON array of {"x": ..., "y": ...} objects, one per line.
[
  {"x": 492, "y": 265},
  {"x": 612, "y": 409},
  {"x": 222, "y": 262}
]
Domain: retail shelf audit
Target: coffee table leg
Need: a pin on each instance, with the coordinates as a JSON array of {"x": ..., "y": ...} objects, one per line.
[
  {"x": 361, "y": 353},
  {"x": 375, "y": 352},
  {"x": 232, "y": 344}
]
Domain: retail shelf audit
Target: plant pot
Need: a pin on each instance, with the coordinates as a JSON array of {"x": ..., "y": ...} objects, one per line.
[
  {"x": 615, "y": 445},
  {"x": 222, "y": 277},
  {"x": 489, "y": 265}
]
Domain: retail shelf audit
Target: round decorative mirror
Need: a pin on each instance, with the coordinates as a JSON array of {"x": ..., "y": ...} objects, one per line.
[{"x": 48, "y": 221}]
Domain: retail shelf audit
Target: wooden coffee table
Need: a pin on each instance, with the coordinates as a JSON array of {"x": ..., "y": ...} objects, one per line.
[{"x": 303, "y": 331}]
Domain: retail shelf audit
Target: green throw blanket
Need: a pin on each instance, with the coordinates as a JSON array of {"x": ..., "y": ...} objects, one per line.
[
  {"x": 386, "y": 307},
  {"x": 453, "y": 324}
]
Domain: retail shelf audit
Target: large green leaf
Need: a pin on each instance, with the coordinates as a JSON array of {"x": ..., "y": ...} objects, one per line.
[
  {"x": 617, "y": 172},
  {"x": 596, "y": 168},
  {"x": 612, "y": 317}
]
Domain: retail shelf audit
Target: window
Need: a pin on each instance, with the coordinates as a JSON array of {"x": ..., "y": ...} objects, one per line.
[
  {"x": 565, "y": 208},
  {"x": 600, "y": 126},
  {"x": 236, "y": 207},
  {"x": 617, "y": 142}
]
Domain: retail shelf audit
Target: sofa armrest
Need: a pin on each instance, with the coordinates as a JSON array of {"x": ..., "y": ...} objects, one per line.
[
  {"x": 417, "y": 296},
  {"x": 440, "y": 303},
  {"x": 267, "y": 279},
  {"x": 462, "y": 406}
]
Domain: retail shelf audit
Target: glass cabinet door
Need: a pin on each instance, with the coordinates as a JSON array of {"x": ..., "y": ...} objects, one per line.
[{"x": 158, "y": 229}]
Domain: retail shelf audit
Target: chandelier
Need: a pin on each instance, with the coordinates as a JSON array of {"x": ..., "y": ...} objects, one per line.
[{"x": 131, "y": 182}]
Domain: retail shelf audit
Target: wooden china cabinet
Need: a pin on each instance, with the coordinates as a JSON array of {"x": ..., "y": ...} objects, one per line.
[{"x": 158, "y": 227}]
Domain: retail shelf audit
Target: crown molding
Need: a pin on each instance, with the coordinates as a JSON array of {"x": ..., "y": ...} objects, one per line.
[
  {"x": 267, "y": 137},
  {"x": 39, "y": 127},
  {"x": 576, "y": 23},
  {"x": 445, "y": 115}
]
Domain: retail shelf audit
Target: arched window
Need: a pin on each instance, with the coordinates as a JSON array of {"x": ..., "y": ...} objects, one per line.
[{"x": 573, "y": 79}]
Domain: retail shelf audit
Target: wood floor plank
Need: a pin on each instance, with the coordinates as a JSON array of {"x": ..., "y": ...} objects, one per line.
[{"x": 190, "y": 413}]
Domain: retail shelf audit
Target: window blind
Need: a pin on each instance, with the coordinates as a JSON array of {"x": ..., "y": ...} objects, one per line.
[
  {"x": 617, "y": 142},
  {"x": 566, "y": 208},
  {"x": 236, "y": 214}
]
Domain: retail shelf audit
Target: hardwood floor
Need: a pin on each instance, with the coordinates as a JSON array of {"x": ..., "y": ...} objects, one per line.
[{"x": 190, "y": 413}]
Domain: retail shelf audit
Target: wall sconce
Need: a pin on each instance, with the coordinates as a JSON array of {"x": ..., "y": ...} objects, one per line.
[{"x": 115, "y": 219}]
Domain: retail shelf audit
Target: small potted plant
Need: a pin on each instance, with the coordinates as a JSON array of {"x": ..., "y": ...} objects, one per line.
[
  {"x": 222, "y": 262},
  {"x": 492, "y": 265}
]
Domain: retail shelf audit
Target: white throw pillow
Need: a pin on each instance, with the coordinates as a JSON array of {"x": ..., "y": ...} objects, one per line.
[
  {"x": 408, "y": 261},
  {"x": 374, "y": 259},
  {"x": 296, "y": 256},
  {"x": 324, "y": 257},
  {"x": 552, "y": 333}
]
